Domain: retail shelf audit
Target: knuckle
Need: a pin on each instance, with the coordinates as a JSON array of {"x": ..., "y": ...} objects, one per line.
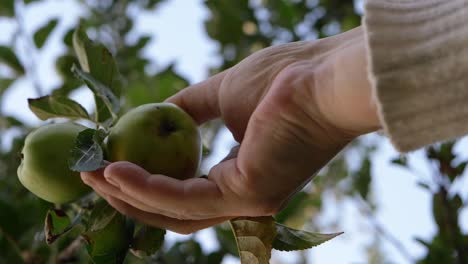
[
  {"x": 295, "y": 73},
  {"x": 294, "y": 83}
]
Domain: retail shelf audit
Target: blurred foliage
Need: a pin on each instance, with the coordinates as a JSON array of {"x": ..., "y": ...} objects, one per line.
[{"x": 240, "y": 28}]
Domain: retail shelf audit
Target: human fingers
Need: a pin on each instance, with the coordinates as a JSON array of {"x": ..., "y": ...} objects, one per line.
[
  {"x": 97, "y": 181},
  {"x": 225, "y": 192},
  {"x": 161, "y": 221},
  {"x": 196, "y": 198},
  {"x": 201, "y": 100}
]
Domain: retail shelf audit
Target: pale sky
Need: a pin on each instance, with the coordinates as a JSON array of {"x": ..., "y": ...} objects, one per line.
[{"x": 404, "y": 208}]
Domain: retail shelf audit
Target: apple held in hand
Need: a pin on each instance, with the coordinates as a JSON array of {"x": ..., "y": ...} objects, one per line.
[
  {"x": 159, "y": 137},
  {"x": 44, "y": 166}
]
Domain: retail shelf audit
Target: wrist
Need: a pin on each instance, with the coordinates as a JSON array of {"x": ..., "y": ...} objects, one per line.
[{"x": 344, "y": 91}]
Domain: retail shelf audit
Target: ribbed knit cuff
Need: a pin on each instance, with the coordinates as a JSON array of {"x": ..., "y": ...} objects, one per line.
[{"x": 418, "y": 59}]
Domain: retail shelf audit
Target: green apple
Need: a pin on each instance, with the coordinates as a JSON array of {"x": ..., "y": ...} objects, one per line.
[
  {"x": 44, "y": 166},
  {"x": 159, "y": 137}
]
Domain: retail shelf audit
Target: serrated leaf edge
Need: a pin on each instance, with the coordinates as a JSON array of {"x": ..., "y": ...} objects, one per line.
[{"x": 332, "y": 235}]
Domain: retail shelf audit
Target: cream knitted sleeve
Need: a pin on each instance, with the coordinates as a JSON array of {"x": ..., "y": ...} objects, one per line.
[{"x": 418, "y": 54}]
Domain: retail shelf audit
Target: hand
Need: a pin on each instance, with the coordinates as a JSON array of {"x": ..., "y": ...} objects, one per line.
[{"x": 292, "y": 108}]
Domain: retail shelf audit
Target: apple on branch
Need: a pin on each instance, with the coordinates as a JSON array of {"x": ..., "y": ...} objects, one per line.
[
  {"x": 44, "y": 167},
  {"x": 159, "y": 137}
]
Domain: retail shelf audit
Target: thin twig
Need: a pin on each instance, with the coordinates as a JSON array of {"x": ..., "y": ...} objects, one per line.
[{"x": 380, "y": 229}]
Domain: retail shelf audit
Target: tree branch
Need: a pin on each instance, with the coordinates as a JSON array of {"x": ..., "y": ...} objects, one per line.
[{"x": 452, "y": 228}]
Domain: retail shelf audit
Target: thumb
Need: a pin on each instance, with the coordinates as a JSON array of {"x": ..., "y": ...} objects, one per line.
[{"x": 200, "y": 100}]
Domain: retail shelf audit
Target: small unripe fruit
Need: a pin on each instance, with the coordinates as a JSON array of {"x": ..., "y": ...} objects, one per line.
[
  {"x": 159, "y": 137},
  {"x": 44, "y": 166}
]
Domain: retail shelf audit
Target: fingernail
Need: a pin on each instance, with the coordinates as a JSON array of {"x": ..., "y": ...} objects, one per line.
[{"x": 113, "y": 182}]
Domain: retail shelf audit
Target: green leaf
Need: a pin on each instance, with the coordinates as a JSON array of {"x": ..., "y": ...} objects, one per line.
[
  {"x": 400, "y": 160},
  {"x": 7, "y": 8},
  {"x": 457, "y": 171},
  {"x": 151, "y": 4},
  {"x": 439, "y": 210},
  {"x": 7, "y": 122},
  {"x": 41, "y": 35},
  {"x": 131, "y": 59},
  {"x": 289, "y": 239},
  {"x": 4, "y": 85},
  {"x": 9, "y": 231},
  {"x": 225, "y": 24},
  {"x": 362, "y": 178},
  {"x": 68, "y": 86},
  {"x": 101, "y": 215},
  {"x": 205, "y": 150},
  {"x": 8, "y": 57},
  {"x": 215, "y": 257},
  {"x": 108, "y": 234},
  {"x": 108, "y": 258},
  {"x": 108, "y": 99},
  {"x": 156, "y": 88},
  {"x": 63, "y": 65},
  {"x": 284, "y": 14},
  {"x": 57, "y": 106},
  {"x": 437, "y": 251},
  {"x": 424, "y": 185},
  {"x": 254, "y": 237},
  {"x": 87, "y": 154},
  {"x": 188, "y": 251},
  {"x": 446, "y": 151},
  {"x": 98, "y": 62},
  {"x": 226, "y": 239},
  {"x": 56, "y": 224},
  {"x": 336, "y": 171},
  {"x": 296, "y": 209},
  {"x": 443, "y": 153},
  {"x": 68, "y": 38},
  {"x": 147, "y": 241},
  {"x": 456, "y": 202}
]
